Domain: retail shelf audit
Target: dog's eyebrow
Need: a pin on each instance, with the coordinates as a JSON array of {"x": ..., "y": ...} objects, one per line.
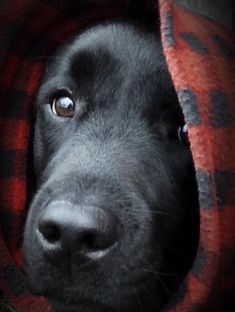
[
  {"x": 82, "y": 65},
  {"x": 86, "y": 63},
  {"x": 52, "y": 87}
]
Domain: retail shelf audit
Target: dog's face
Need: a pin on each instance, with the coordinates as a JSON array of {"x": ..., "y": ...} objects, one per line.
[{"x": 115, "y": 177}]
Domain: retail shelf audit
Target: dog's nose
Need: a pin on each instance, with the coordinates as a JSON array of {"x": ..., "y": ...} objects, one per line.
[{"x": 70, "y": 233}]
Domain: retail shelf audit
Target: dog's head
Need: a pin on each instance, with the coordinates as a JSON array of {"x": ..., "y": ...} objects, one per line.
[{"x": 115, "y": 176}]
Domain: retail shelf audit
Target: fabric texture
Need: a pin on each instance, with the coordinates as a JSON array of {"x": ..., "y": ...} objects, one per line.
[{"x": 201, "y": 58}]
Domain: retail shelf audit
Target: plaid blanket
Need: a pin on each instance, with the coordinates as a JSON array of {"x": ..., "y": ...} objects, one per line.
[{"x": 201, "y": 59}]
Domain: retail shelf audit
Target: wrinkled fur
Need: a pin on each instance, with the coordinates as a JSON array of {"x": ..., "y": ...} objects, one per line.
[{"x": 119, "y": 152}]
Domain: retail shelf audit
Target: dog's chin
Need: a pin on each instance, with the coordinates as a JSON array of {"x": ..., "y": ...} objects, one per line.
[
  {"x": 128, "y": 300},
  {"x": 133, "y": 296},
  {"x": 72, "y": 304},
  {"x": 63, "y": 307}
]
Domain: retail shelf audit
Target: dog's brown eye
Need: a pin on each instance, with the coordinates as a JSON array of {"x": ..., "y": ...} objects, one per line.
[
  {"x": 183, "y": 133},
  {"x": 63, "y": 107}
]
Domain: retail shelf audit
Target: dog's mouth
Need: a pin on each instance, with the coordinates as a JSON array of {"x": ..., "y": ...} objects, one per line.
[
  {"x": 131, "y": 298},
  {"x": 95, "y": 291},
  {"x": 85, "y": 305},
  {"x": 70, "y": 293}
]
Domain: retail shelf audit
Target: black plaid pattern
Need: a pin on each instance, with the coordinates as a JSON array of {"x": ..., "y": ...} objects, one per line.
[
  {"x": 169, "y": 33},
  {"x": 6, "y": 229},
  {"x": 200, "y": 262},
  {"x": 36, "y": 47},
  {"x": 225, "y": 49},
  {"x": 7, "y": 163},
  {"x": 205, "y": 189},
  {"x": 7, "y": 38},
  {"x": 189, "y": 104},
  {"x": 220, "y": 115},
  {"x": 14, "y": 104},
  {"x": 195, "y": 43},
  {"x": 223, "y": 184}
]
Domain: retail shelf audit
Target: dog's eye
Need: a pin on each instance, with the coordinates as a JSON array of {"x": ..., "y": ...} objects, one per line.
[
  {"x": 182, "y": 133},
  {"x": 63, "y": 107}
]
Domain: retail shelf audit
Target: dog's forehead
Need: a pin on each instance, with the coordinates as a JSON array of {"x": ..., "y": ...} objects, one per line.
[
  {"x": 113, "y": 65},
  {"x": 109, "y": 44}
]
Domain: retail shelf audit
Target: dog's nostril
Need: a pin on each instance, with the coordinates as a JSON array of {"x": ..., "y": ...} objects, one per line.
[
  {"x": 95, "y": 241},
  {"x": 89, "y": 241},
  {"x": 77, "y": 233},
  {"x": 49, "y": 231}
]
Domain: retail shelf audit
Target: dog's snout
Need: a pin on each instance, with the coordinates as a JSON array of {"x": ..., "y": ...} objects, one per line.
[{"x": 78, "y": 234}]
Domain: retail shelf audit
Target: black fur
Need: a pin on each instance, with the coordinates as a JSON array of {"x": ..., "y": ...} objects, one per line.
[{"x": 121, "y": 151}]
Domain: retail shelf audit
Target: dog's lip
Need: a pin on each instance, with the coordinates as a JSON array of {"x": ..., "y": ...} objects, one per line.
[{"x": 93, "y": 255}]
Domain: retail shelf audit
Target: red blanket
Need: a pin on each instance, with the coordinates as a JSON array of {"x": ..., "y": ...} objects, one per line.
[{"x": 201, "y": 59}]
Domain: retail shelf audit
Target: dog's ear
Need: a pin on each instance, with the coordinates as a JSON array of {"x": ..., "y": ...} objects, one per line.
[
  {"x": 72, "y": 7},
  {"x": 140, "y": 6},
  {"x": 143, "y": 5},
  {"x": 137, "y": 7},
  {"x": 146, "y": 11}
]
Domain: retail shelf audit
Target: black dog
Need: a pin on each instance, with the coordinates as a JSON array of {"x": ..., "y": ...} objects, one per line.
[{"x": 114, "y": 222}]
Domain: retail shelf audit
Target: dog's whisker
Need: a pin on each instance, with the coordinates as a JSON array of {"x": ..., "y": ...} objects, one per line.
[{"x": 138, "y": 298}]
